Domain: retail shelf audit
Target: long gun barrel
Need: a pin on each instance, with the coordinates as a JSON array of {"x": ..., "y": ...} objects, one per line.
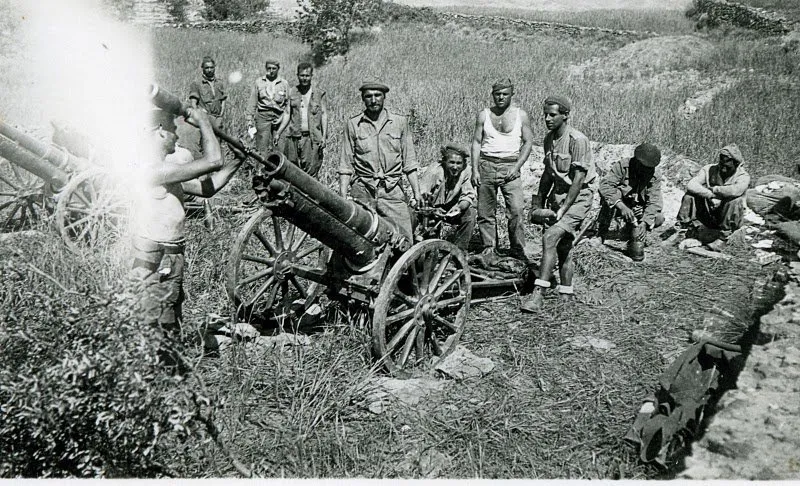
[
  {"x": 58, "y": 157},
  {"x": 346, "y": 227},
  {"x": 37, "y": 166}
]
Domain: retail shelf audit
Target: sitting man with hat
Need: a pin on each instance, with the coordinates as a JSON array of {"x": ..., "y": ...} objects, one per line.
[
  {"x": 631, "y": 191},
  {"x": 447, "y": 189},
  {"x": 715, "y": 195},
  {"x": 377, "y": 150}
]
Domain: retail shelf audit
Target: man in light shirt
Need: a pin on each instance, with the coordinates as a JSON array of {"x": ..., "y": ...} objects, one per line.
[{"x": 267, "y": 109}]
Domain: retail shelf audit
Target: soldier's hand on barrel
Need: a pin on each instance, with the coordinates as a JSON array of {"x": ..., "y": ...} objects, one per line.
[
  {"x": 413, "y": 203},
  {"x": 196, "y": 116}
]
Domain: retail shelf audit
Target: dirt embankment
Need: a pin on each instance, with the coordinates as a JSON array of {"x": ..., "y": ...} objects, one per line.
[{"x": 755, "y": 433}]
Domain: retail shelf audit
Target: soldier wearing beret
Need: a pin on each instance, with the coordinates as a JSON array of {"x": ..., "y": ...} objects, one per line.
[
  {"x": 566, "y": 190},
  {"x": 631, "y": 191},
  {"x": 267, "y": 109},
  {"x": 377, "y": 151},
  {"x": 447, "y": 188},
  {"x": 501, "y": 143}
]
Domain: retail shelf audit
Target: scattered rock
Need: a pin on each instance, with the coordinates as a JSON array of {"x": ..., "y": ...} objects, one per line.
[
  {"x": 765, "y": 257},
  {"x": 592, "y": 342},
  {"x": 689, "y": 243},
  {"x": 385, "y": 392},
  {"x": 428, "y": 464},
  {"x": 701, "y": 98},
  {"x": 462, "y": 363}
]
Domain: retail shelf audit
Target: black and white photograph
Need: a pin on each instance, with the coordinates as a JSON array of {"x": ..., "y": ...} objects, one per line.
[{"x": 400, "y": 239}]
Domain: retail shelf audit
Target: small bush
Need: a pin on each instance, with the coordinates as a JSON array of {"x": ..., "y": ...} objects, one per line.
[
  {"x": 177, "y": 9},
  {"x": 326, "y": 24},
  {"x": 233, "y": 9},
  {"x": 81, "y": 391}
]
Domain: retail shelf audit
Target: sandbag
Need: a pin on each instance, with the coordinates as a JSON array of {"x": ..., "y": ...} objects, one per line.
[{"x": 774, "y": 194}]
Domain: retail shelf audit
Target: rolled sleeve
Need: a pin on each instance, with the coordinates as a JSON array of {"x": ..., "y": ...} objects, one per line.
[
  {"x": 581, "y": 153},
  {"x": 346, "y": 157},
  {"x": 697, "y": 184},
  {"x": 410, "y": 163}
]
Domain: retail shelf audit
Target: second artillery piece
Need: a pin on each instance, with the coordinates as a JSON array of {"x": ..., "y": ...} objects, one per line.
[
  {"x": 307, "y": 243},
  {"x": 87, "y": 209}
]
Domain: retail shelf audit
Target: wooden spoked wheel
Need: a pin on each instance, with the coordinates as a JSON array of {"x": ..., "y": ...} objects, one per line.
[
  {"x": 269, "y": 269},
  {"x": 421, "y": 310},
  {"x": 90, "y": 211},
  {"x": 22, "y": 197}
]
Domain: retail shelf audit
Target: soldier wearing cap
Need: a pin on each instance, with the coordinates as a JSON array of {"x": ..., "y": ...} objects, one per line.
[
  {"x": 158, "y": 216},
  {"x": 377, "y": 150},
  {"x": 501, "y": 143},
  {"x": 631, "y": 191},
  {"x": 308, "y": 122},
  {"x": 566, "y": 189},
  {"x": 267, "y": 109},
  {"x": 447, "y": 188},
  {"x": 715, "y": 195}
]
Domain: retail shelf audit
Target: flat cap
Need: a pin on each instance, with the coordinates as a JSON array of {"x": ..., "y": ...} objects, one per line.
[
  {"x": 455, "y": 147},
  {"x": 647, "y": 154},
  {"x": 562, "y": 101},
  {"x": 502, "y": 84},
  {"x": 374, "y": 85}
]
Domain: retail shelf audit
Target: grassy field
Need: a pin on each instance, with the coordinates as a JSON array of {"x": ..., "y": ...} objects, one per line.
[{"x": 548, "y": 410}]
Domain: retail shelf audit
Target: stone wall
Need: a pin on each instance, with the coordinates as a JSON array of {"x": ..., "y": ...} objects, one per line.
[{"x": 716, "y": 12}]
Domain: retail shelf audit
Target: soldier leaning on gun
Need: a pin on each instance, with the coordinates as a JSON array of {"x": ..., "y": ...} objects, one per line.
[
  {"x": 158, "y": 218},
  {"x": 631, "y": 191}
]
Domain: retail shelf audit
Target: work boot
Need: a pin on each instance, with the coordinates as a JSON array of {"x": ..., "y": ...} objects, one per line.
[
  {"x": 534, "y": 301},
  {"x": 636, "y": 250},
  {"x": 566, "y": 293}
]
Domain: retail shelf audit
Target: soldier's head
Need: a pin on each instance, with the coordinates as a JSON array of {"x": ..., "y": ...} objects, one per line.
[
  {"x": 209, "y": 67},
  {"x": 502, "y": 92},
  {"x": 305, "y": 71},
  {"x": 730, "y": 158},
  {"x": 373, "y": 95},
  {"x": 454, "y": 159},
  {"x": 646, "y": 158},
  {"x": 271, "y": 68},
  {"x": 556, "y": 111},
  {"x": 162, "y": 127}
]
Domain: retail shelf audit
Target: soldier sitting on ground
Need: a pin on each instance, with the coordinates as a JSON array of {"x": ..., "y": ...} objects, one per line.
[
  {"x": 715, "y": 195},
  {"x": 447, "y": 190},
  {"x": 631, "y": 191}
]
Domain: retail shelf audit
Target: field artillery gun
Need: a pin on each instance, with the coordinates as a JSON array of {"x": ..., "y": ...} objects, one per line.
[
  {"x": 307, "y": 244},
  {"x": 33, "y": 174}
]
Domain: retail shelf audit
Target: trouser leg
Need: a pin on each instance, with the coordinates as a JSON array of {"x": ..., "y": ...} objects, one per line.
[
  {"x": 731, "y": 214},
  {"x": 393, "y": 206},
  {"x": 465, "y": 228},
  {"x": 513, "y": 195},
  {"x": 487, "y": 204}
]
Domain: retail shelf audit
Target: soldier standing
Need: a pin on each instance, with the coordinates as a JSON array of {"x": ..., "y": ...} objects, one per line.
[
  {"x": 308, "y": 123},
  {"x": 267, "y": 109}
]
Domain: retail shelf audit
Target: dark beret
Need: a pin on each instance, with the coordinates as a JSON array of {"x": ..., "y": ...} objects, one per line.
[
  {"x": 562, "y": 101},
  {"x": 647, "y": 154}
]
